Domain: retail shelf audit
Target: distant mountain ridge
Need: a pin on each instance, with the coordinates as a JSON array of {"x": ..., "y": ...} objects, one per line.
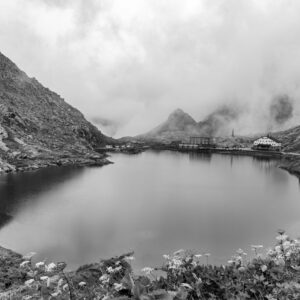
[
  {"x": 177, "y": 126},
  {"x": 36, "y": 124},
  {"x": 180, "y": 125}
]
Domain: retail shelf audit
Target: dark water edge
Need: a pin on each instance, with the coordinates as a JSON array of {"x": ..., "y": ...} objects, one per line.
[{"x": 148, "y": 203}]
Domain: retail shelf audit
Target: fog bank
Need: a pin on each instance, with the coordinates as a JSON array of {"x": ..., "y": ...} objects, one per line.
[{"x": 132, "y": 62}]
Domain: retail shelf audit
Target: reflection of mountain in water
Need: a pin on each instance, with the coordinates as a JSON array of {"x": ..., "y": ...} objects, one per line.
[
  {"x": 16, "y": 188},
  {"x": 4, "y": 219}
]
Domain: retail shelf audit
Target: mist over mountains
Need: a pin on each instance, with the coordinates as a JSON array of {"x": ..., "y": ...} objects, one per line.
[
  {"x": 138, "y": 60},
  {"x": 222, "y": 122}
]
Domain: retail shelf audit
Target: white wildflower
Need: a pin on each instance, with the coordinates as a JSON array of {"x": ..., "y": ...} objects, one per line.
[
  {"x": 264, "y": 268},
  {"x": 24, "y": 263},
  {"x": 238, "y": 258},
  {"x": 50, "y": 267},
  {"x": 118, "y": 286},
  {"x": 288, "y": 254},
  {"x": 254, "y": 247},
  {"x": 110, "y": 270},
  {"x": 82, "y": 283},
  {"x": 167, "y": 257},
  {"x": 44, "y": 278},
  {"x": 40, "y": 264},
  {"x": 280, "y": 261},
  {"x": 29, "y": 282},
  {"x": 175, "y": 263},
  {"x": 130, "y": 258},
  {"x": 198, "y": 255},
  {"x": 297, "y": 242},
  {"x": 194, "y": 263},
  {"x": 147, "y": 270},
  {"x": 56, "y": 294},
  {"x": 60, "y": 282},
  {"x": 282, "y": 237},
  {"x": 186, "y": 285},
  {"x": 286, "y": 244},
  {"x": 104, "y": 277}
]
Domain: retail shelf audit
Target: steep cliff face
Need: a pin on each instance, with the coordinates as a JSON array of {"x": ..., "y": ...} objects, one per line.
[{"x": 37, "y": 124}]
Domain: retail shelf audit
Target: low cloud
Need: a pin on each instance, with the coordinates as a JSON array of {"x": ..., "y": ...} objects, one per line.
[
  {"x": 134, "y": 61},
  {"x": 281, "y": 109}
]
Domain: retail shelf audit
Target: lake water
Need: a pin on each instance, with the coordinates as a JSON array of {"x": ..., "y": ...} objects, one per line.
[{"x": 153, "y": 203}]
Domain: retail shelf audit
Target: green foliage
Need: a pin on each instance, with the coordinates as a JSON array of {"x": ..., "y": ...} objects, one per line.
[{"x": 183, "y": 276}]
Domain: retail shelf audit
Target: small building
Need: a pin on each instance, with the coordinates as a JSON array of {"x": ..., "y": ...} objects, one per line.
[
  {"x": 267, "y": 143},
  {"x": 198, "y": 142},
  {"x": 202, "y": 141}
]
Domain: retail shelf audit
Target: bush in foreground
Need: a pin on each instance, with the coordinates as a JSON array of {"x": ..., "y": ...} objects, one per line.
[{"x": 276, "y": 275}]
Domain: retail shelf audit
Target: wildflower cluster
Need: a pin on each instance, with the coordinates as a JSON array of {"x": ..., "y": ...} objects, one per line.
[
  {"x": 43, "y": 279},
  {"x": 185, "y": 275}
]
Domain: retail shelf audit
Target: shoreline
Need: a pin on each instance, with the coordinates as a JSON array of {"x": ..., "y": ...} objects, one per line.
[
  {"x": 289, "y": 162},
  {"x": 19, "y": 166}
]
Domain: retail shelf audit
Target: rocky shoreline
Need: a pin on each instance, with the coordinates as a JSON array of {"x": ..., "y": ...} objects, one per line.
[
  {"x": 291, "y": 163},
  {"x": 54, "y": 161}
]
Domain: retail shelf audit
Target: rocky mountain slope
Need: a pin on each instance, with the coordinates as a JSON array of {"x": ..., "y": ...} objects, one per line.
[
  {"x": 37, "y": 127},
  {"x": 289, "y": 138}
]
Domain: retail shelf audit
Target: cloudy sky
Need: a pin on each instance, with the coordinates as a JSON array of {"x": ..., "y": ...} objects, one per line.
[{"x": 135, "y": 61}]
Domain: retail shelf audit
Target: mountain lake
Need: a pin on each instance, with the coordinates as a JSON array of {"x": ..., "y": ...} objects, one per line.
[{"x": 153, "y": 203}]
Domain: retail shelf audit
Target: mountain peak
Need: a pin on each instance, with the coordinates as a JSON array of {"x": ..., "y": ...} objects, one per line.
[
  {"x": 178, "y": 116},
  {"x": 178, "y": 111},
  {"x": 178, "y": 126}
]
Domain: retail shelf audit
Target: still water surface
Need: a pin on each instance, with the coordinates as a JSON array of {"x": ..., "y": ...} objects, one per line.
[{"x": 153, "y": 203}]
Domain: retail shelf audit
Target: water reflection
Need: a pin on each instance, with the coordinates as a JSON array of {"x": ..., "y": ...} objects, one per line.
[
  {"x": 17, "y": 189},
  {"x": 4, "y": 219},
  {"x": 206, "y": 157},
  {"x": 153, "y": 203}
]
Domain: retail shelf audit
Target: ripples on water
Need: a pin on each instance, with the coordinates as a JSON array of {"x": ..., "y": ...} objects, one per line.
[{"x": 152, "y": 203}]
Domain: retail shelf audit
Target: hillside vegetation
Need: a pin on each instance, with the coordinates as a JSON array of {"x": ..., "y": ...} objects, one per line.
[{"x": 185, "y": 275}]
